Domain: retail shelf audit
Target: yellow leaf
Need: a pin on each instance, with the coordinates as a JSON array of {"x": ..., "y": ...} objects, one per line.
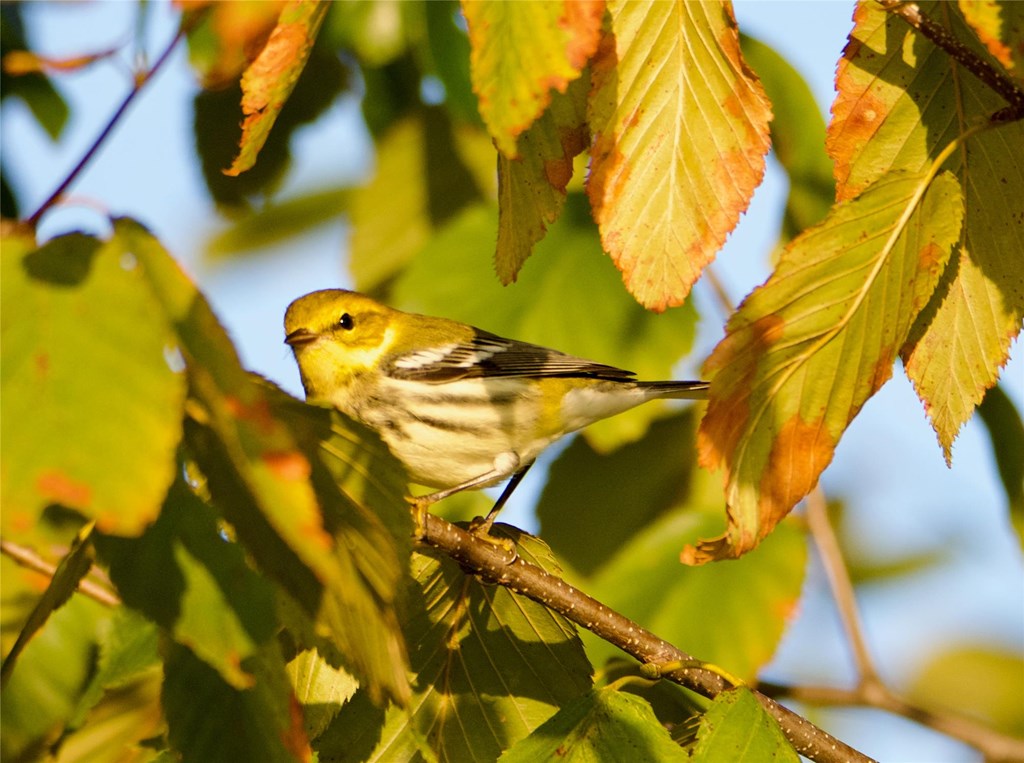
[{"x": 681, "y": 130}]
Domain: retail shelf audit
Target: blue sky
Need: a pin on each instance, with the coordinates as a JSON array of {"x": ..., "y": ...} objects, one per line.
[{"x": 901, "y": 496}]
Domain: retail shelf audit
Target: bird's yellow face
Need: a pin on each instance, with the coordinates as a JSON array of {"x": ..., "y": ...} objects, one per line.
[{"x": 336, "y": 336}]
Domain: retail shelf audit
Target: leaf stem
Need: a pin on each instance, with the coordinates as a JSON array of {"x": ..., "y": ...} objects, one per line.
[
  {"x": 492, "y": 564},
  {"x": 188, "y": 22}
]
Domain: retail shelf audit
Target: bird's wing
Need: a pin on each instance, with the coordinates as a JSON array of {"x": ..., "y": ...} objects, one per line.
[{"x": 488, "y": 355}]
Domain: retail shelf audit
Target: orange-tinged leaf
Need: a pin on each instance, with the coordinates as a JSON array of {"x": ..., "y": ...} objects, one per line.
[
  {"x": 1000, "y": 26},
  {"x": 531, "y": 188},
  {"x": 901, "y": 101},
  {"x": 806, "y": 350},
  {"x": 681, "y": 131},
  {"x": 230, "y": 36},
  {"x": 270, "y": 79},
  {"x": 552, "y": 41}
]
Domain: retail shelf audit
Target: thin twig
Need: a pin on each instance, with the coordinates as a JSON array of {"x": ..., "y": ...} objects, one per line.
[
  {"x": 994, "y": 745},
  {"x": 492, "y": 564},
  {"x": 189, "y": 20},
  {"x": 996, "y": 79},
  {"x": 29, "y": 559},
  {"x": 840, "y": 585}
]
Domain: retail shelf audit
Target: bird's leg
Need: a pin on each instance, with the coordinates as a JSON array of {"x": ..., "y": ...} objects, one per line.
[
  {"x": 504, "y": 465},
  {"x": 483, "y": 527}
]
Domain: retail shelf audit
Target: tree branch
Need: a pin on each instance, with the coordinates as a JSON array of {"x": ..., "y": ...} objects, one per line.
[
  {"x": 994, "y": 745},
  {"x": 188, "y": 22},
  {"x": 492, "y": 563},
  {"x": 29, "y": 559},
  {"x": 975, "y": 64}
]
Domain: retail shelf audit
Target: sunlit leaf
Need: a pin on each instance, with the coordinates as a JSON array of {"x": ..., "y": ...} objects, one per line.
[
  {"x": 490, "y": 666},
  {"x": 681, "y": 130},
  {"x": 531, "y": 187},
  {"x": 228, "y": 37},
  {"x": 737, "y": 727},
  {"x": 900, "y": 101},
  {"x": 269, "y": 80},
  {"x": 565, "y": 291},
  {"x": 744, "y": 606},
  {"x": 807, "y": 349},
  {"x": 320, "y": 688},
  {"x": 602, "y": 725},
  {"x": 1000, "y": 26},
  {"x": 84, "y": 360},
  {"x": 552, "y": 40}
]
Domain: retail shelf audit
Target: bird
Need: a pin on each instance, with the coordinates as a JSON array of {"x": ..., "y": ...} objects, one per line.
[{"x": 461, "y": 408}]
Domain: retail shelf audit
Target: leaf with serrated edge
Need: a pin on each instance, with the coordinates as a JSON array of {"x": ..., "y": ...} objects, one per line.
[
  {"x": 531, "y": 188},
  {"x": 490, "y": 666},
  {"x": 269, "y": 80},
  {"x": 900, "y": 101},
  {"x": 681, "y": 132},
  {"x": 602, "y": 725},
  {"x": 552, "y": 40},
  {"x": 807, "y": 349},
  {"x": 737, "y": 727}
]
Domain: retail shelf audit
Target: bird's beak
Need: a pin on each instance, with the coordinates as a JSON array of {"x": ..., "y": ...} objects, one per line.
[{"x": 300, "y": 337}]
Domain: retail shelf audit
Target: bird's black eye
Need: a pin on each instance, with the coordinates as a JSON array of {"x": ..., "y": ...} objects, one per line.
[{"x": 345, "y": 321}]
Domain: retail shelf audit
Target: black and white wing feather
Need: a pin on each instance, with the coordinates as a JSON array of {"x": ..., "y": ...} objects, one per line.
[{"x": 489, "y": 355}]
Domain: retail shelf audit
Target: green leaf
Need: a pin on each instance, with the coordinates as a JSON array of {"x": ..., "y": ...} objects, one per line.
[
  {"x": 449, "y": 51},
  {"x": 681, "y": 131},
  {"x": 52, "y": 672},
  {"x": 798, "y": 138},
  {"x": 900, "y": 102},
  {"x": 184, "y": 576},
  {"x": 1006, "y": 433},
  {"x": 489, "y": 667},
  {"x": 449, "y": 171},
  {"x": 737, "y": 727},
  {"x": 35, "y": 89},
  {"x": 211, "y": 721},
  {"x": 603, "y": 725},
  {"x": 568, "y": 289},
  {"x": 552, "y": 40},
  {"x": 587, "y": 489},
  {"x": 128, "y": 652},
  {"x": 976, "y": 680},
  {"x": 330, "y": 552},
  {"x": 531, "y": 187},
  {"x": 320, "y": 688},
  {"x": 84, "y": 358},
  {"x": 807, "y": 349},
  {"x": 72, "y": 568},
  {"x": 270, "y": 78},
  {"x": 744, "y": 606}
]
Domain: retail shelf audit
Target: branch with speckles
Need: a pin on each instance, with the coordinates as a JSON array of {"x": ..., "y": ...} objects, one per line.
[
  {"x": 975, "y": 64},
  {"x": 493, "y": 564}
]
